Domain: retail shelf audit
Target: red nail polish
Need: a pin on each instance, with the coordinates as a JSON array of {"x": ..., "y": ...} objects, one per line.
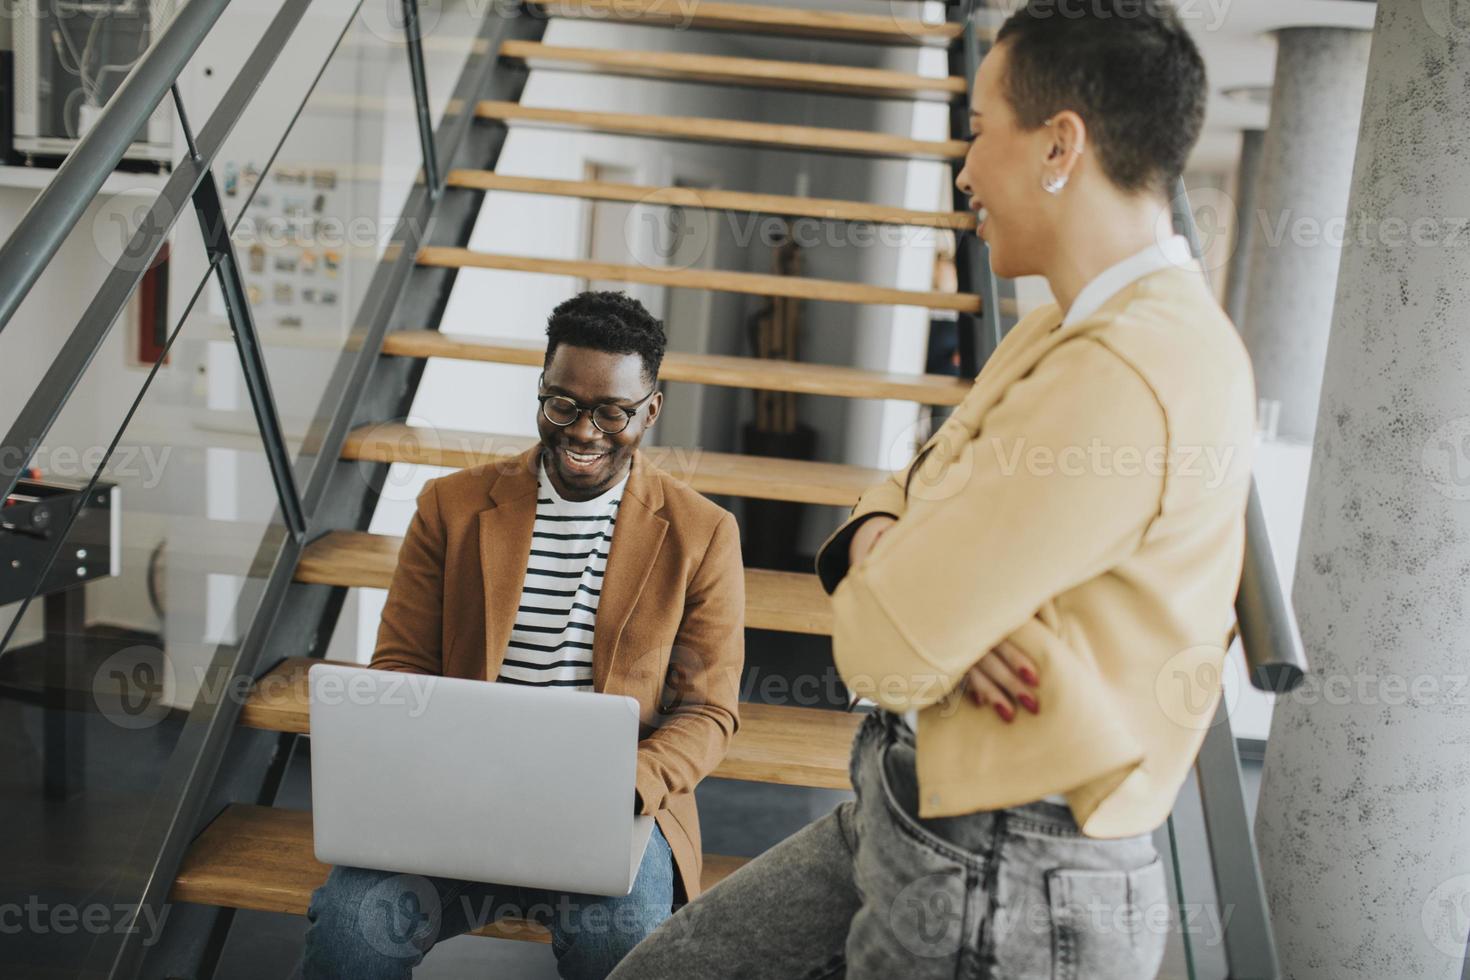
[
  {"x": 1005, "y": 712},
  {"x": 1029, "y": 676},
  {"x": 1029, "y": 703}
]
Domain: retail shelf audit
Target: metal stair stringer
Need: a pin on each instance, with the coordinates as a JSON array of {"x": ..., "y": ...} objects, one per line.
[{"x": 242, "y": 765}]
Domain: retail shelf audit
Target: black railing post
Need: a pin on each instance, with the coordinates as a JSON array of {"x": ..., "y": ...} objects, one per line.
[
  {"x": 215, "y": 227},
  {"x": 979, "y": 334},
  {"x": 413, "y": 37}
]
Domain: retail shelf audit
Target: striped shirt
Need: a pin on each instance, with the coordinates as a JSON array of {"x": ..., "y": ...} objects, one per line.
[{"x": 551, "y": 642}]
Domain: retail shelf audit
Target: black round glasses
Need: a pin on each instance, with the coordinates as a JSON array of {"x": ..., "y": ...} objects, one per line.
[{"x": 609, "y": 418}]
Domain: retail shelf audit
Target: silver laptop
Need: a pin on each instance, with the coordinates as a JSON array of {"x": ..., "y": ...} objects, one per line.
[{"x": 466, "y": 779}]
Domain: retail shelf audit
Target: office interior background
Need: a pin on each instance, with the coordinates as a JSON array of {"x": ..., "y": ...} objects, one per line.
[{"x": 221, "y": 405}]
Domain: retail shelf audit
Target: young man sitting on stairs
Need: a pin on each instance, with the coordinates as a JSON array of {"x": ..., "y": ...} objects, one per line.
[{"x": 578, "y": 565}]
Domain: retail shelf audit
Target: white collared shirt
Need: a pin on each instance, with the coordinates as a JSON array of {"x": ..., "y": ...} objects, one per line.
[{"x": 1173, "y": 251}]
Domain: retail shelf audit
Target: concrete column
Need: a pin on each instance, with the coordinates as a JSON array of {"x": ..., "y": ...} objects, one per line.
[
  {"x": 1306, "y": 164},
  {"x": 1364, "y": 817},
  {"x": 1247, "y": 188}
]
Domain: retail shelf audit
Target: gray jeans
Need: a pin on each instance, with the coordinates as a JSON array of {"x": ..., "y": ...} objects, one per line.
[{"x": 873, "y": 891}]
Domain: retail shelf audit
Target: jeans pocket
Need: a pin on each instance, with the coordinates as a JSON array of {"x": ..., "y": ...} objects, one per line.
[{"x": 1107, "y": 925}]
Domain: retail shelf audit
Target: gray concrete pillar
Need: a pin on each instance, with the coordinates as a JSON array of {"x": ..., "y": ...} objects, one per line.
[
  {"x": 1364, "y": 818},
  {"x": 1306, "y": 164},
  {"x": 1247, "y": 193}
]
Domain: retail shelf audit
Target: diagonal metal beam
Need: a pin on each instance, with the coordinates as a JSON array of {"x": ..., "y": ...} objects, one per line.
[
  {"x": 58, "y": 208},
  {"x": 214, "y": 225}
]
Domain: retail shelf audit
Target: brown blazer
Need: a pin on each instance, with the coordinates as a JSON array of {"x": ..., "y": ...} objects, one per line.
[{"x": 670, "y": 622}]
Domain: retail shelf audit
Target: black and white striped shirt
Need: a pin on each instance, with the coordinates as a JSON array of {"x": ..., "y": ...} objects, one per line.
[{"x": 551, "y": 642}]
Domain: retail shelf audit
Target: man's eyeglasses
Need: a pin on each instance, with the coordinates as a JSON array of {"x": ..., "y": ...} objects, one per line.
[{"x": 609, "y": 418}]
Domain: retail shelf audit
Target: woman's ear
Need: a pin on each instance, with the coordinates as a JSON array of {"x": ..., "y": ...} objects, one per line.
[{"x": 1067, "y": 139}]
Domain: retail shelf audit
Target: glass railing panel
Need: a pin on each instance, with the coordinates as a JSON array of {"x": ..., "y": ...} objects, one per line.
[
  {"x": 314, "y": 209},
  {"x": 36, "y": 334},
  {"x": 105, "y": 681}
]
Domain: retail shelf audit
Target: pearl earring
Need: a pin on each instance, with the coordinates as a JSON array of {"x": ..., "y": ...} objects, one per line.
[{"x": 1054, "y": 184}]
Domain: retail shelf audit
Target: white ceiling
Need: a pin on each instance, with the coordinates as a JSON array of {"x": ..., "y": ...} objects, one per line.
[{"x": 1235, "y": 38}]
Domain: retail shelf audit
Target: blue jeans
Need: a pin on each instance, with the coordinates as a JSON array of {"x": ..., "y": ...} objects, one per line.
[
  {"x": 873, "y": 891},
  {"x": 375, "y": 925}
]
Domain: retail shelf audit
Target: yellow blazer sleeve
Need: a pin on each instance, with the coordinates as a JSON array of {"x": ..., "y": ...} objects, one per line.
[
  {"x": 881, "y": 498},
  {"x": 1059, "y": 485}
]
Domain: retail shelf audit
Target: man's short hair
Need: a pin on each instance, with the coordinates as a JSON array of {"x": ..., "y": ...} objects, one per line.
[
  {"x": 607, "y": 321},
  {"x": 1127, "y": 67}
]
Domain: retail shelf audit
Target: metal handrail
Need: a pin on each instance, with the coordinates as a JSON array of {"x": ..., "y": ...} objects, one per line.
[
  {"x": 60, "y": 206},
  {"x": 1269, "y": 635}
]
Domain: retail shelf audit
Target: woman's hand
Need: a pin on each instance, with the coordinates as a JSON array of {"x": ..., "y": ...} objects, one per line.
[
  {"x": 867, "y": 535},
  {"x": 1005, "y": 677}
]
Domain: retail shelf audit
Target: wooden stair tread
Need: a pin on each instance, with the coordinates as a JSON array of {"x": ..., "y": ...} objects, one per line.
[
  {"x": 713, "y": 369},
  {"x": 791, "y": 602},
  {"x": 829, "y": 209},
  {"x": 791, "y": 746},
  {"x": 705, "y": 130},
  {"x": 759, "y": 19},
  {"x": 262, "y": 858},
  {"x": 752, "y": 283},
  {"x": 757, "y": 477},
  {"x": 720, "y": 69}
]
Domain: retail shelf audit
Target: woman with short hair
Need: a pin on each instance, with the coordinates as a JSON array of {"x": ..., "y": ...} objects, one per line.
[{"x": 1039, "y": 604}]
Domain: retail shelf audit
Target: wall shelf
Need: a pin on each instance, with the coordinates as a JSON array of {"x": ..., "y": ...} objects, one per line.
[{"x": 119, "y": 182}]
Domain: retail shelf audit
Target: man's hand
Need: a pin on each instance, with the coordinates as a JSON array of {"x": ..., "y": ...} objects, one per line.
[
  {"x": 866, "y": 536},
  {"x": 1004, "y": 677}
]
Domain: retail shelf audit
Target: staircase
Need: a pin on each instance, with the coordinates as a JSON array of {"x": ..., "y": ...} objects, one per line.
[
  {"x": 224, "y": 845},
  {"x": 258, "y": 857}
]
